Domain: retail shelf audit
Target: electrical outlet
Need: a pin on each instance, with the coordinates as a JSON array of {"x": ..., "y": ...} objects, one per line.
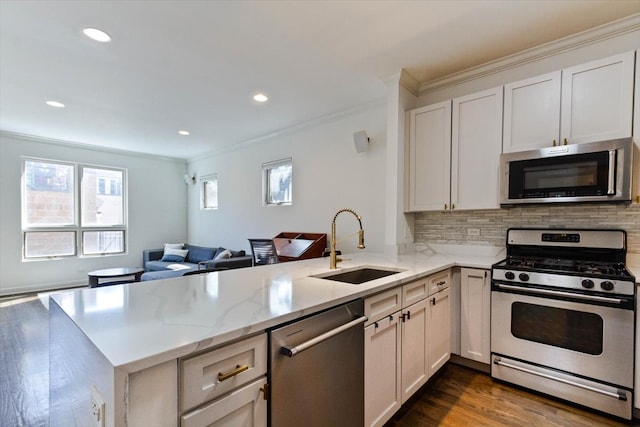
[
  {"x": 97, "y": 408},
  {"x": 473, "y": 231}
]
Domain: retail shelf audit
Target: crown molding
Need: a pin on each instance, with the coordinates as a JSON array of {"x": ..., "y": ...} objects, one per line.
[
  {"x": 556, "y": 47},
  {"x": 85, "y": 146}
]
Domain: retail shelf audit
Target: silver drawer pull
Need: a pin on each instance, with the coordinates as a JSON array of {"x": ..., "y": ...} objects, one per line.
[{"x": 238, "y": 370}]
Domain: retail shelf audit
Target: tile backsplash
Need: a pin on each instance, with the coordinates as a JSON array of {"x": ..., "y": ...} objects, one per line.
[{"x": 489, "y": 227}]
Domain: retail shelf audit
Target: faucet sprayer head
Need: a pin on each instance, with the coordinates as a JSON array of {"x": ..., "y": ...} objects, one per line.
[{"x": 361, "y": 239}]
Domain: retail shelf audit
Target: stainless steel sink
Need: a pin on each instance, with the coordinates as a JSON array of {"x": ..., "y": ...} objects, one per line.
[{"x": 358, "y": 276}]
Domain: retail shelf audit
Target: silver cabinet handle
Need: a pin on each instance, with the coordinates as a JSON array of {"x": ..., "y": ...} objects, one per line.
[
  {"x": 292, "y": 351},
  {"x": 619, "y": 396}
]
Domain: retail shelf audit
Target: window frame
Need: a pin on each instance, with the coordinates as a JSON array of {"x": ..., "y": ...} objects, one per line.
[
  {"x": 203, "y": 190},
  {"x": 266, "y": 182},
  {"x": 77, "y": 226}
]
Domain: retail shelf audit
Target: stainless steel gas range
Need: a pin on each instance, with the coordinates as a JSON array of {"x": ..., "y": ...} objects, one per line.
[{"x": 563, "y": 316}]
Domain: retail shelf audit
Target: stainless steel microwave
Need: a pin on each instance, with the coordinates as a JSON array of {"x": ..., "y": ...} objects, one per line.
[{"x": 589, "y": 172}]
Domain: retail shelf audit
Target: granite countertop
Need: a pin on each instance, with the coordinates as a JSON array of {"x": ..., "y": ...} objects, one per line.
[{"x": 139, "y": 325}]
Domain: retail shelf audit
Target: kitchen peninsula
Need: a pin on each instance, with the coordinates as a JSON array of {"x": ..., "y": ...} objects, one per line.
[{"x": 120, "y": 345}]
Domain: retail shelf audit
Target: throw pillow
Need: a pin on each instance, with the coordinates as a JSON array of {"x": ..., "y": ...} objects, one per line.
[
  {"x": 174, "y": 245},
  {"x": 223, "y": 255},
  {"x": 199, "y": 253},
  {"x": 174, "y": 255}
]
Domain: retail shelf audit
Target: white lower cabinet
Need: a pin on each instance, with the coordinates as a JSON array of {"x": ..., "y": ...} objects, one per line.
[
  {"x": 415, "y": 359},
  {"x": 244, "y": 407},
  {"x": 438, "y": 332},
  {"x": 475, "y": 306},
  {"x": 225, "y": 386},
  {"x": 406, "y": 342},
  {"x": 382, "y": 370}
]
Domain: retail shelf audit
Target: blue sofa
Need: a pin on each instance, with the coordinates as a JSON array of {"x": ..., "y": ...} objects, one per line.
[{"x": 197, "y": 258}]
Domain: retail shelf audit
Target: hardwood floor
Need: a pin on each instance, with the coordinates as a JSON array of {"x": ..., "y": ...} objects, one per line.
[
  {"x": 24, "y": 364},
  {"x": 457, "y": 396},
  {"x": 460, "y": 396}
]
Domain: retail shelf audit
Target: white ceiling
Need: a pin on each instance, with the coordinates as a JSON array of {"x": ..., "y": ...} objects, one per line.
[{"x": 195, "y": 65}]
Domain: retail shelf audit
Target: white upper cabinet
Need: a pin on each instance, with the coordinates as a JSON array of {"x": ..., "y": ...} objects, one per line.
[
  {"x": 476, "y": 143},
  {"x": 532, "y": 112},
  {"x": 597, "y": 100},
  {"x": 429, "y": 157},
  {"x": 454, "y": 149},
  {"x": 585, "y": 103}
]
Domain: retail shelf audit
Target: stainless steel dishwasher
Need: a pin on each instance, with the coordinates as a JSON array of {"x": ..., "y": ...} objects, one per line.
[{"x": 317, "y": 369}]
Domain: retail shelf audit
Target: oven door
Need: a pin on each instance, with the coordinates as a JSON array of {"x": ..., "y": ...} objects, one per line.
[{"x": 588, "y": 339}]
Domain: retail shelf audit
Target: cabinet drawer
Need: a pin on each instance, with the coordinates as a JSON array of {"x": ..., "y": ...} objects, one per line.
[
  {"x": 415, "y": 291},
  {"x": 383, "y": 304},
  {"x": 202, "y": 377},
  {"x": 439, "y": 281},
  {"x": 243, "y": 407}
]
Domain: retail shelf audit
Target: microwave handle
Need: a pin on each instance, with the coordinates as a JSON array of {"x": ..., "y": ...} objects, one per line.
[{"x": 611, "y": 190}]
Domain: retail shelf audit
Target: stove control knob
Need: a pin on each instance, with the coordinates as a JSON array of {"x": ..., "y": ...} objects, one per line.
[
  {"x": 509, "y": 275},
  {"x": 523, "y": 276},
  {"x": 587, "y": 283},
  {"x": 607, "y": 285}
]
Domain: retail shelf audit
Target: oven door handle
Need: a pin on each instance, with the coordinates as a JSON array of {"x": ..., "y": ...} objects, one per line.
[
  {"x": 619, "y": 395},
  {"x": 593, "y": 298}
]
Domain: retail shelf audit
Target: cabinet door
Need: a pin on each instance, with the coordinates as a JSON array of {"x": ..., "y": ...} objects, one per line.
[
  {"x": 382, "y": 385},
  {"x": 532, "y": 113},
  {"x": 475, "y": 294},
  {"x": 415, "y": 361},
  {"x": 429, "y": 157},
  {"x": 243, "y": 407},
  {"x": 476, "y": 143},
  {"x": 597, "y": 100},
  {"x": 438, "y": 332}
]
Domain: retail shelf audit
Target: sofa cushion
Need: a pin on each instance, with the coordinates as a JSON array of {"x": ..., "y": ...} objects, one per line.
[
  {"x": 165, "y": 265},
  {"x": 163, "y": 274},
  {"x": 174, "y": 255},
  {"x": 199, "y": 253}
]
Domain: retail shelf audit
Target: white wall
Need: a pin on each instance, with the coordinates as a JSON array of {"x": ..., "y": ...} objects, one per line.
[
  {"x": 328, "y": 174},
  {"x": 156, "y": 212}
]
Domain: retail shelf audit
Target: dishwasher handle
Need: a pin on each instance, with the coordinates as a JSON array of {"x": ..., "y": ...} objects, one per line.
[{"x": 292, "y": 351}]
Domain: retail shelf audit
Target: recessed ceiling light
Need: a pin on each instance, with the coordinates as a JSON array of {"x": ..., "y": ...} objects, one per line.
[
  {"x": 260, "y": 97},
  {"x": 97, "y": 35},
  {"x": 184, "y": 132},
  {"x": 55, "y": 104}
]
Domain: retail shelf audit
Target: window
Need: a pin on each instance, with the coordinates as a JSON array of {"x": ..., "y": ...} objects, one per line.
[
  {"x": 209, "y": 192},
  {"x": 71, "y": 209},
  {"x": 277, "y": 185}
]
